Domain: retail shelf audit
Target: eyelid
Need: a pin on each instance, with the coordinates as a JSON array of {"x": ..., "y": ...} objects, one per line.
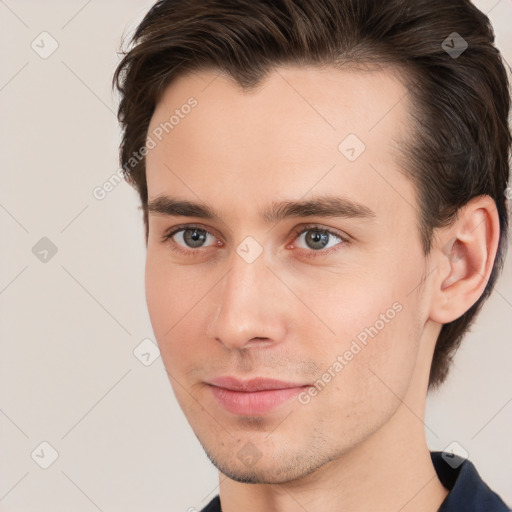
[
  {"x": 296, "y": 232},
  {"x": 181, "y": 227},
  {"x": 318, "y": 227}
]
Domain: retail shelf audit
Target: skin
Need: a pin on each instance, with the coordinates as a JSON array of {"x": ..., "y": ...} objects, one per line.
[{"x": 359, "y": 444}]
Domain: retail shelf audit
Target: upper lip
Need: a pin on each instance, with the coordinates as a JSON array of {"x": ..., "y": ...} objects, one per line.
[{"x": 255, "y": 384}]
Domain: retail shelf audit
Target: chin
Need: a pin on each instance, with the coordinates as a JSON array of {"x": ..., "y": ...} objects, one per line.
[{"x": 273, "y": 470}]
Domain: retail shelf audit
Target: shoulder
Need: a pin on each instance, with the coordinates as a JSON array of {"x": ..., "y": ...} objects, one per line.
[
  {"x": 467, "y": 491},
  {"x": 213, "y": 506}
]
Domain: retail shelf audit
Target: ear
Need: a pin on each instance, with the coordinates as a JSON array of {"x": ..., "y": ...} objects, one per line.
[{"x": 464, "y": 255}]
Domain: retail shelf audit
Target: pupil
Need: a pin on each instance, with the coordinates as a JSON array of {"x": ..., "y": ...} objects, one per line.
[
  {"x": 315, "y": 237},
  {"x": 194, "y": 237}
]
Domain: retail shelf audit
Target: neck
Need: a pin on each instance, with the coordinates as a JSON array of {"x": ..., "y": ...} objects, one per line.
[
  {"x": 391, "y": 470},
  {"x": 382, "y": 475}
]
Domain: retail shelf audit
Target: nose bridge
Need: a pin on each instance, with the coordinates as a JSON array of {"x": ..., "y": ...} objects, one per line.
[
  {"x": 246, "y": 308},
  {"x": 242, "y": 290}
]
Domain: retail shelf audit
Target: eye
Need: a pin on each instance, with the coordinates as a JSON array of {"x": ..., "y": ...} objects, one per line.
[
  {"x": 316, "y": 239},
  {"x": 190, "y": 237}
]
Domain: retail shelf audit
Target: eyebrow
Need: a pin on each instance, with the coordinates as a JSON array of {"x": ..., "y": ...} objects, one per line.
[{"x": 321, "y": 206}]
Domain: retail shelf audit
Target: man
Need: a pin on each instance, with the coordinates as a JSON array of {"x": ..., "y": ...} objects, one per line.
[{"x": 323, "y": 187}]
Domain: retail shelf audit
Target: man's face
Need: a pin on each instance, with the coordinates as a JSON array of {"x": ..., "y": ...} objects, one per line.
[{"x": 331, "y": 300}]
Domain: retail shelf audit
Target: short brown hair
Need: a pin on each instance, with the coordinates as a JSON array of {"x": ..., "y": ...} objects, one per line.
[{"x": 461, "y": 141}]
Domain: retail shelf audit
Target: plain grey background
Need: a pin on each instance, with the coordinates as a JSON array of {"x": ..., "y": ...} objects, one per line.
[{"x": 72, "y": 305}]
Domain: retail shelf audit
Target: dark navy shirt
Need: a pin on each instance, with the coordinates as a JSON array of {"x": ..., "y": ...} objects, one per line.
[{"x": 468, "y": 492}]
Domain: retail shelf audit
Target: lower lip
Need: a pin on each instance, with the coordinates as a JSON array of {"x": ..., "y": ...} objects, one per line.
[{"x": 253, "y": 403}]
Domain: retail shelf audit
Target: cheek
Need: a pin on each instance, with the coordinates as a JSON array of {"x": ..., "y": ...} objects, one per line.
[
  {"x": 169, "y": 300},
  {"x": 177, "y": 300},
  {"x": 369, "y": 384},
  {"x": 378, "y": 329},
  {"x": 159, "y": 298}
]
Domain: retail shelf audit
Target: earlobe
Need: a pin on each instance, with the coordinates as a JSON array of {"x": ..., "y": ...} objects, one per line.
[{"x": 465, "y": 256}]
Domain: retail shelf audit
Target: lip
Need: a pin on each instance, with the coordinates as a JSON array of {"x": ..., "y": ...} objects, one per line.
[
  {"x": 253, "y": 397},
  {"x": 255, "y": 384}
]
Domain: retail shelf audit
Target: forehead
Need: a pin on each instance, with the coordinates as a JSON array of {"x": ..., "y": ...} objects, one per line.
[
  {"x": 326, "y": 98},
  {"x": 286, "y": 134}
]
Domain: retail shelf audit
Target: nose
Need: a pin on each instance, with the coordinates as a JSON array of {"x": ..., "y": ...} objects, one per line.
[{"x": 251, "y": 306}]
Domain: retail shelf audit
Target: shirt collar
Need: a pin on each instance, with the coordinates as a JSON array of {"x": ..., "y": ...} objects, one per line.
[{"x": 468, "y": 492}]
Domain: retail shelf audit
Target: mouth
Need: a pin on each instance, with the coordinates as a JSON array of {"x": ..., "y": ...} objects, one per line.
[{"x": 253, "y": 397}]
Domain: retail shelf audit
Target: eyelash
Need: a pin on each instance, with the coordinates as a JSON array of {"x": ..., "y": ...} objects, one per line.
[{"x": 296, "y": 233}]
